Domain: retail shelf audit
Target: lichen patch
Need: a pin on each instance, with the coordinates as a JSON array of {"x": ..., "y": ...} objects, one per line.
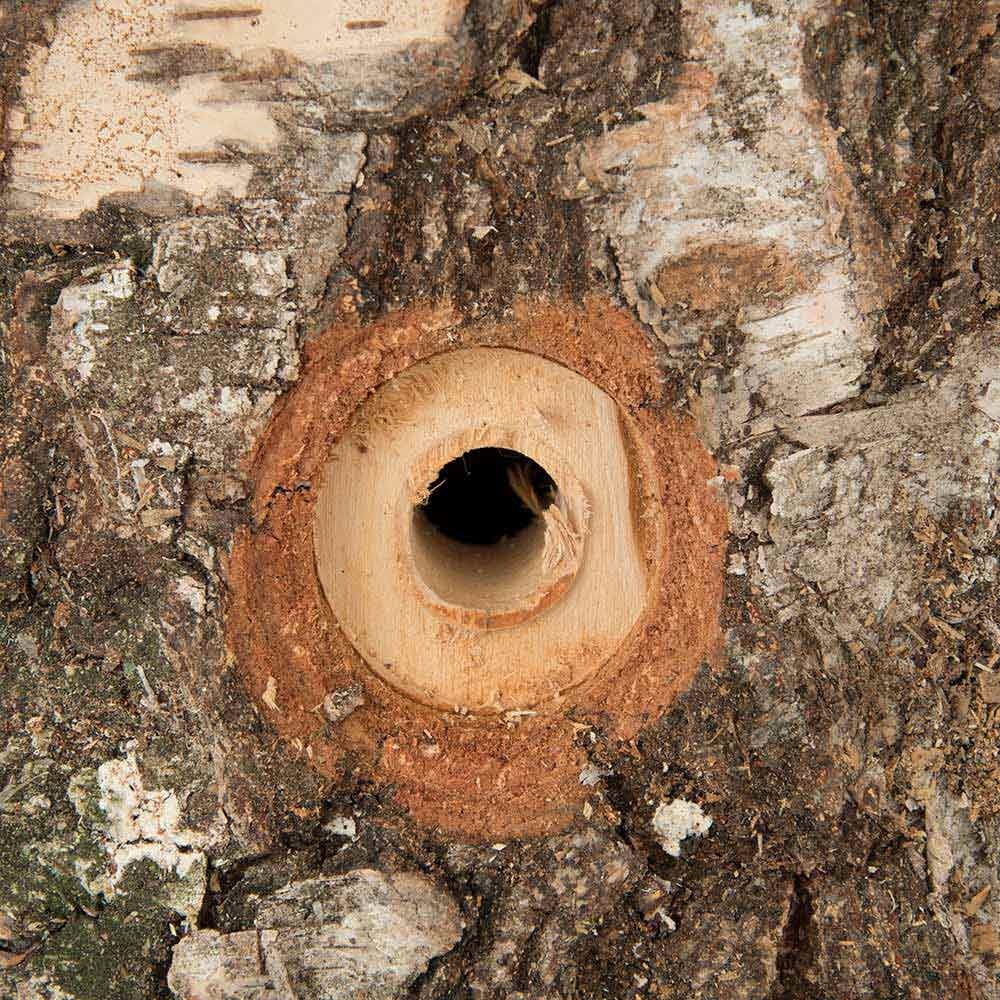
[{"x": 134, "y": 824}]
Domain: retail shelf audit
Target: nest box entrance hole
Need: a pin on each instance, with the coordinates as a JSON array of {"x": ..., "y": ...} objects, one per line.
[
  {"x": 478, "y": 538},
  {"x": 476, "y": 532}
]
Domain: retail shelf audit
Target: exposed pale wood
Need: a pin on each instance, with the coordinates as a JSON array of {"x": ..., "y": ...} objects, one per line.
[
  {"x": 501, "y": 626},
  {"x": 316, "y": 32},
  {"x": 134, "y": 97}
]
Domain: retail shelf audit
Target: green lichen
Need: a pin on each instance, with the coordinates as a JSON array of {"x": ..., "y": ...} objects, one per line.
[
  {"x": 100, "y": 932},
  {"x": 115, "y": 955}
]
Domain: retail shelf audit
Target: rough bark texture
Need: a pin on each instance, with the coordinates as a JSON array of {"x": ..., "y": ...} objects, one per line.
[{"x": 799, "y": 202}]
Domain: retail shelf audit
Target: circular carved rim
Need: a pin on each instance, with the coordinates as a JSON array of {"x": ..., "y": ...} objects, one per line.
[
  {"x": 478, "y": 776},
  {"x": 525, "y": 621}
]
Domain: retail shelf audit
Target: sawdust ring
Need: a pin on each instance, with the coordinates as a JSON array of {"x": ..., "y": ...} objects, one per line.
[{"x": 478, "y": 778}]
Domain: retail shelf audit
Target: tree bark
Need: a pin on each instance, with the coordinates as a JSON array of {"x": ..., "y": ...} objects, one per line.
[{"x": 768, "y": 229}]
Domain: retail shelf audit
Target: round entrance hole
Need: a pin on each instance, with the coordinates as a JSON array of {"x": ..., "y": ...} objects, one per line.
[
  {"x": 325, "y": 596},
  {"x": 478, "y": 538},
  {"x": 477, "y": 534},
  {"x": 487, "y": 495}
]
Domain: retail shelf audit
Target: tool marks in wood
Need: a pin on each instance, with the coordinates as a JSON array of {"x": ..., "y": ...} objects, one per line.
[{"x": 484, "y": 604}]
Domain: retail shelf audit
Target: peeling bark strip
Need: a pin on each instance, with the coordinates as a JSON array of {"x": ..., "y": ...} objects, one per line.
[
  {"x": 184, "y": 100},
  {"x": 737, "y": 173},
  {"x": 213, "y": 13},
  {"x": 363, "y": 935}
]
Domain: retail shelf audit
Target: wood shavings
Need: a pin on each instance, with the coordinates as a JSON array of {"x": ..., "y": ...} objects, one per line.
[{"x": 514, "y": 81}]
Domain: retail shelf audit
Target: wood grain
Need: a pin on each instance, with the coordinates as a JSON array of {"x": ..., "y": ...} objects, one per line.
[{"x": 483, "y": 627}]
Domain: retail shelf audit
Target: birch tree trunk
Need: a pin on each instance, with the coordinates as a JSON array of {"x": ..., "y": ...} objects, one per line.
[{"x": 765, "y": 232}]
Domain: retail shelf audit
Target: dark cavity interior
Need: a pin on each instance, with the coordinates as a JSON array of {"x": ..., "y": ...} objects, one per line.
[{"x": 486, "y": 495}]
